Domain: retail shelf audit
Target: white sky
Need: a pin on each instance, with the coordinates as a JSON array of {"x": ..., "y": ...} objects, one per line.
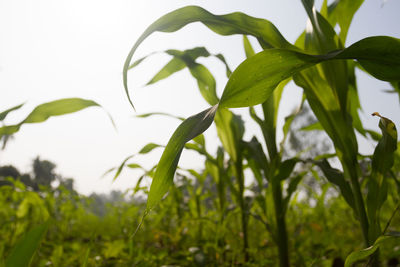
[{"x": 55, "y": 49}]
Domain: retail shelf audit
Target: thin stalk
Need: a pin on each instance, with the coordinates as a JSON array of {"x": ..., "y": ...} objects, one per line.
[
  {"x": 282, "y": 237},
  {"x": 200, "y": 226},
  {"x": 240, "y": 180}
]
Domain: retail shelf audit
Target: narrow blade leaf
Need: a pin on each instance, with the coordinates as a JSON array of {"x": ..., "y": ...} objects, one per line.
[{"x": 189, "y": 129}]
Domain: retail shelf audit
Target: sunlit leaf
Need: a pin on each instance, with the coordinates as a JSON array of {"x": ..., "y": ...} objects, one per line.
[
  {"x": 342, "y": 12},
  {"x": 234, "y": 23},
  {"x": 190, "y": 128},
  {"x": 254, "y": 80}
]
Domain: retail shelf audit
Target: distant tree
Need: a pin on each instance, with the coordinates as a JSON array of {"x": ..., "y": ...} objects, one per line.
[
  {"x": 68, "y": 183},
  {"x": 43, "y": 171},
  {"x": 11, "y": 171},
  {"x": 8, "y": 171}
]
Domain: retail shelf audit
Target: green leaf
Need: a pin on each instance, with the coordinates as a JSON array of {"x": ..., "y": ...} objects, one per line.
[
  {"x": 293, "y": 183},
  {"x": 230, "y": 130},
  {"x": 342, "y": 12},
  {"x": 378, "y": 55},
  {"x": 206, "y": 82},
  {"x": 336, "y": 177},
  {"x": 285, "y": 169},
  {"x": 148, "y": 148},
  {"x": 383, "y": 157},
  {"x": 121, "y": 166},
  {"x": 316, "y": 126},
  {"x": 145, "y": 115},
  {"x": 180, "y": 60},
  {"x": 23, "y": 251},
  {"x": 255, "y": 79},
  {"x": 234, "y": 23},
  {"x": 4, "y": 114},
  {"x": 248, "y": 49},
  {"x": 382, "y": 162},
  {"x": 190, "y": 128},
  {"x": 198, "y": 139},
  {"x": 44, "y": 111},
  {"x": 365, "y": 253},
  {"x": 174, "y": 65}
]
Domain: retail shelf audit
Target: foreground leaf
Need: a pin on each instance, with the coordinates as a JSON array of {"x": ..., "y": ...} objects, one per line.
[
  {"x": 23, "y": 251},
  {"x": 255, "y": 79},
  {"x": 189, "y": 129}
]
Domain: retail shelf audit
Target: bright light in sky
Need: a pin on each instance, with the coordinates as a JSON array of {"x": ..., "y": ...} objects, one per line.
[{"x": 56, "y": 49}]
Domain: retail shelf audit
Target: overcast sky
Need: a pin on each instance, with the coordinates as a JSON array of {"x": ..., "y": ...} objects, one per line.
[{"x": 55, "y": 49}]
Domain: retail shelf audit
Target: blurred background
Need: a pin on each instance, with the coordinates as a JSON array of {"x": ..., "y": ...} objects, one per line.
[{"x": 58, "y": 49}]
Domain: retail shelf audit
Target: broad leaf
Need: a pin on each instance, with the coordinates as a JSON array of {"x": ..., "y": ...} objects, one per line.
[{"x": 255, "y": 79}]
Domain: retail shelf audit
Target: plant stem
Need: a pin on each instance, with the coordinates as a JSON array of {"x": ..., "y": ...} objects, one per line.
[
  {"x": 359, "y": 201},
  {"x": 240, "y": 180},
  {"x": 282, "y": 238}
]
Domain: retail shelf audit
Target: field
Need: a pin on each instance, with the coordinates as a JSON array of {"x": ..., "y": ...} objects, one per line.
[{"x": 302, "y": 195}]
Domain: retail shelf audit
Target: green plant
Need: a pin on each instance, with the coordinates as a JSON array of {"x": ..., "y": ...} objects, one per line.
[{"x": 318, "y": 63}]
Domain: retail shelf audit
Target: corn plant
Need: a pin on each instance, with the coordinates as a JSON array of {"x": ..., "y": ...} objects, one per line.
[{"x": 320, "y": 64}]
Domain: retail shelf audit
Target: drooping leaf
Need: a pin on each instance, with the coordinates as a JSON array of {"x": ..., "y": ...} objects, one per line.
[
  {"x": 23, "y": 251},
  {"x": 234, "y": 23},
  {"x": 44, "y": 111},
  {"x": 190, "y": 128}
]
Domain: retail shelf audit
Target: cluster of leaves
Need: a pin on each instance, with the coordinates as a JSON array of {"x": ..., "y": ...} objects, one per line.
[
  {"x": 299, "y": 209},
  {"x": 318, "y": 63}
]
